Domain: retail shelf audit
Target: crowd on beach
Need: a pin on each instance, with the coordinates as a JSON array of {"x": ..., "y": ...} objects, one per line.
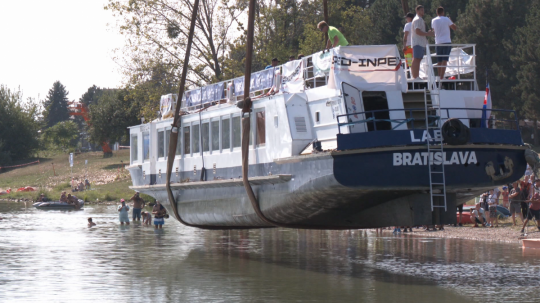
[{"x": 158, "y": 211}]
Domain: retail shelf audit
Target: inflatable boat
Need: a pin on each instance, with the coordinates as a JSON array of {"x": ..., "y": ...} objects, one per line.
[{"x": 57, "y": 205}]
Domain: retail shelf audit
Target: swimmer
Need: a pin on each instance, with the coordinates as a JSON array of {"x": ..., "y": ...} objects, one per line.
[{"x": 90, "y": 223}]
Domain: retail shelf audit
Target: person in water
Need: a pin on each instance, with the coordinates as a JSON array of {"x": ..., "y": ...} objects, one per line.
[
  {"x": 159, "y": 213},
  {"x": 146, "y": 218},
  {"x": 138, "y": 205},
  {"x": 123, "y": 210},
  {"x": 90, "y": 223}
]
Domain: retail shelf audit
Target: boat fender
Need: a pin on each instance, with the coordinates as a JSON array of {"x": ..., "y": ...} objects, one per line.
[{"x": 454, "y": 132}]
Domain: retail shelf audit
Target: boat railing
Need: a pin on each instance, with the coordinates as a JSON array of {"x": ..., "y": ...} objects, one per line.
[
  {"x": 460, "y": 69},
  {"x": 225, "y": 92},
  {"x": 372, "y": 118}
]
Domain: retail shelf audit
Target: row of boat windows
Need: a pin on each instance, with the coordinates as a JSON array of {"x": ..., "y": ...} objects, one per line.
[{"x": 211, "y": 136}]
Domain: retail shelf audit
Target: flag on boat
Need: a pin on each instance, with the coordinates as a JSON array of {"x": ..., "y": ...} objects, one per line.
[{"x": 486, "y": 108}]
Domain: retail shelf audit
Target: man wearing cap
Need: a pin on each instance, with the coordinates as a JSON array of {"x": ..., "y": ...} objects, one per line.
[
  {"x": 418, "y": 40},
  {"x": 534, "y": 209},
  {"x": 407, "y": 49},
  {"x": 138, "y": 205},
  {"x": 335, "y": 37},
  {"x": 275, "y": 63},
  {"x": 123, "y": 210}
]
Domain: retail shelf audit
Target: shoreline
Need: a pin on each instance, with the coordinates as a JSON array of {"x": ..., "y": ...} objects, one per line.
[{"x": 505, "y": 233}]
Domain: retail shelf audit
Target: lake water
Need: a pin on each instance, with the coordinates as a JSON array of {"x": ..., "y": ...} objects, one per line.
[{"x": 51, "y": 256}]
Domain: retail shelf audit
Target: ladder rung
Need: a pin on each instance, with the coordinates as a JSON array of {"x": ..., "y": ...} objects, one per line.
[
  {"x": 438, "y": 195},
  {"x": 437, "y": 172},
  {"x": 437, "y": 183},
  {"x": 439, "y": 206}
]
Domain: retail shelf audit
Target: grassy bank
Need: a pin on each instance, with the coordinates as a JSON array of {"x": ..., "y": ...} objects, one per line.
[{"x": 109, "y": 180}]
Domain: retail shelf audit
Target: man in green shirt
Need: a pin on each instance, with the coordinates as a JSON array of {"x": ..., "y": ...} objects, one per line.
[{"x": 335, "y": 37}]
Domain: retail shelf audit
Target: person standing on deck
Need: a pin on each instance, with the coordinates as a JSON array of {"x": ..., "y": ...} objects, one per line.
[
  {"x": 275, "y": 63},
  {"x": 407, "y": 48},
  {"x": 123, "y": 212},
  {"x": 442, "y": 25},
  {"x": 138, "y": 205},
  {"x": 335, "y": 37},
  {"x": 418, "y": 40}
]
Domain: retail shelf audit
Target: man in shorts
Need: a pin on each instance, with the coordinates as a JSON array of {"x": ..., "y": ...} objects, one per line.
[
  {"x": 515, "y": 203},
  {"x": 159, "y": 214},
  {"x": 407, "y": 48},
  {"x": 138, "y": 205},
  {"x": 534, "y": 209},
  {"x": 418, "y": 40},
  {"x": 441, "y": 25}
]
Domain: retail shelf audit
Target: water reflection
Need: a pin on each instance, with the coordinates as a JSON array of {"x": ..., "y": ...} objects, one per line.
[{"x": 53, "y": 256}]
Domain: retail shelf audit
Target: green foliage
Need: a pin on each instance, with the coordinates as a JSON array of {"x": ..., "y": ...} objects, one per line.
[
  {"x": 56, "y": 105},
  {"x": 63, "y": 136},
  {"x": 91, "y": 96},
  {"x": 112, "y": 115},
  {"x": 18, "y": 126}
]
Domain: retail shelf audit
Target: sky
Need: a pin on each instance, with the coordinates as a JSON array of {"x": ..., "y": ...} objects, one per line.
[{"x": 42, "y": 41}]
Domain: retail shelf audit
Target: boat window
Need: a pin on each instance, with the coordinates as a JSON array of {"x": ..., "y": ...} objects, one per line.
[
  {"x": 226, "y": 133},
  {"x": 376, "y": 101},
  {"x": 215, "y": 135},
  {"x": 205, "y": 137},
  {"x": 179, "y": 143},
  {"x": 161, "y": 144},
  {"x": 237, "y": 131},
  {"x": 187, "y": 139},
  {"x": 196, "y": 138},
  {"x": 146, "y": 146},
  {"x": 167, "y": 141},
  {"x": 134, "y": 149},
  {"x": 261, "y": 128}
]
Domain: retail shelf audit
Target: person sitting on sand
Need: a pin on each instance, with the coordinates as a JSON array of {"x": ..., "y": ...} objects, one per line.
[
  {"x": 534, "y": 209},
  {"x": 63, "y": 197},
  {"x": 81, "y": 186},
  {"x": 477, "y": 215},
  {"x": 90, "y": 223}
]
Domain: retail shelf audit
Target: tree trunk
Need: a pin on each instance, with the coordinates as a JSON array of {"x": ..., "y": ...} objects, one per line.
[
  {"x": 536, "y": 141},
  {"x": 405, "y": 6},
  {"x": 325, "y": 6}
]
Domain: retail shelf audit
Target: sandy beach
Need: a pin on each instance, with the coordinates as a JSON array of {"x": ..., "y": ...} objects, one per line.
[{"x": 504, "y": 233}]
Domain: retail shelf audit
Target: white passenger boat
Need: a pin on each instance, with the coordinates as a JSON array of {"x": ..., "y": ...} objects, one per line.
[{"x": 339, "y": 140}]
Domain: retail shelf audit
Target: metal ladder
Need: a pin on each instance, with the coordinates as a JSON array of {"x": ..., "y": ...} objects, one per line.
[{"x": 437, "y": 180}]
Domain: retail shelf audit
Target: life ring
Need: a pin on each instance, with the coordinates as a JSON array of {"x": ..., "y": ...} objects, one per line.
[{"x": 454, "y": 132}]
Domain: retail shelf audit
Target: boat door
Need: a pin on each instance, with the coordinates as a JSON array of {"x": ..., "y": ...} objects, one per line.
[{"x": 354, "y": 104}]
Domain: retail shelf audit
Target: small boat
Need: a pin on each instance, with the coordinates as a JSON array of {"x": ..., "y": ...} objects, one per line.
[
  {"x": 57, "y": 205},
  {"x": 531, "y": 243}
]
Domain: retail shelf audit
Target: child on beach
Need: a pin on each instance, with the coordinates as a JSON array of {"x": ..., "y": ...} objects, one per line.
[{"x": 90, "y": 223}]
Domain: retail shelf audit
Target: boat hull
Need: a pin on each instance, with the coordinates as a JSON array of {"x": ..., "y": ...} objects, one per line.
[
  {"x": 57, "y": 205},
  {"x": 352, "y": 189}
]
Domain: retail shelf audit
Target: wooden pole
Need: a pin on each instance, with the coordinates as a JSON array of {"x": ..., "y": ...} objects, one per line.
[
  {"x": 325, "y": 7},
  {"x": 405, "y": 6},
  {"x": 249, "y": 55}
]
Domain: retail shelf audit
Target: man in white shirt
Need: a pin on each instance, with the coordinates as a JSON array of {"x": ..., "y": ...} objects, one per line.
[
  {"x": 442, "y": 25},
  {"x": 418, "y": 40},
  {"x": 407, "y": 49}
]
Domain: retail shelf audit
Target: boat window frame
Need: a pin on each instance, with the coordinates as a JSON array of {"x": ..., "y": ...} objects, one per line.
[
  {"x": 167, "y": 141},
  {"x": 183, "y": 135},
  {"x": 227, "y": 117},
  {"x": 254, "y": 127},
  {"x": 199, "y": 137},
  {"x": 203, "y": 122},
  {"x": 144, "y": 159},
  {"x": 236, "y": 148},
  {"x": 212, "y": 149},
  {"x": 158, "y": 131},
  {"x": 134, "y": 149}
]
